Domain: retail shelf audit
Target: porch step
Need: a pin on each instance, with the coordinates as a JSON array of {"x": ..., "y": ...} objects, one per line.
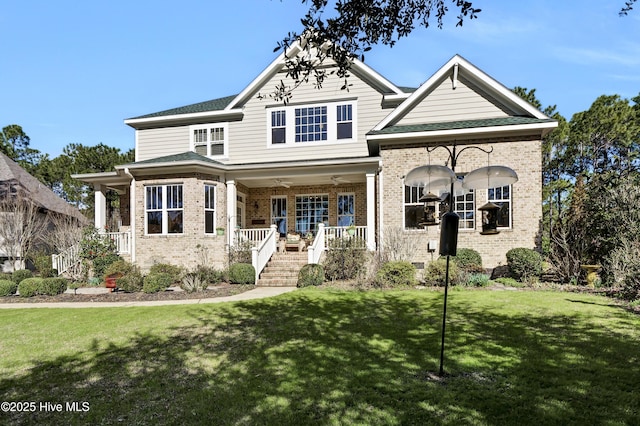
[{"x": 282, "y": 270}]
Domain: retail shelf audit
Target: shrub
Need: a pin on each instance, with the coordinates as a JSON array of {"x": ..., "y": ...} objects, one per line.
[
  {"x": 524, "y": 264},
  {"x": 210, "y": 275},
  {"x": 468, "y": 260},
  {"x": 436, "y": 272},
  {"x": 345, "y": 259},
  {"x": 242, "y": 273},
  {"x": 120, "y": 267},
  {"x": 29, "y": 287},
  {"x": 41, "y": 260},
  {"x": 175, "y": 272},
  {"x": 52, "y": 286},
  {"x": 20, "y": 275},
  {"x": 477, "y": 280},
  {"x": 131, "y": 282},
  {"x": 7, "y": 288},
  {"x": 156, "y": 282},
  {"x": 48, "y": 272},
  {"x": 395, "y": 274},
  {"x": 99, "y": 249},
  {"x": 310, "y": 275},
  {"x": 192, "y": 282}
]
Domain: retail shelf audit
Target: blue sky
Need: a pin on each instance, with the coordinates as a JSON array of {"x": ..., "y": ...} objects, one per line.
[{"x": 72, "y": 71}]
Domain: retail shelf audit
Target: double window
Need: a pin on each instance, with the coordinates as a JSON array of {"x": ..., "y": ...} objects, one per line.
[
  {"x": 416, "y": 216},
  {"x": 210, "y": 140},
  {"x": 330, "y": 122},
  {"x": 164, "y": 209}
]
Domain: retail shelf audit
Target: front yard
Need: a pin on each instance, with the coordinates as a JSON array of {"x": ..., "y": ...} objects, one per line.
[{"x": 318, "y": 356}]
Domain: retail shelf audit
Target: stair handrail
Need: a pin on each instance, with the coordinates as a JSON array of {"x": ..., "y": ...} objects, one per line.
[
  {"x": 317, "y": 247},
  {"x": 261, "y": 254},
  {"x": 66, "y": 259}
]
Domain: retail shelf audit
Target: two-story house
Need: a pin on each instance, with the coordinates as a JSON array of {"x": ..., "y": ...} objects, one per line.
[{"x": 331, "y": 158}]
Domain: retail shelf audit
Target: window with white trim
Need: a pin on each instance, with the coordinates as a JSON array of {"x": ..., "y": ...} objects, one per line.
[
  {"x": 344, "y": 120},
  {"x": 311, "y": 210},
  {"x": 164, "y": 209},
  {"x": 209, "y": 140},
  {"x": 502, "y": 197},
  {"x": 415, "y": 215},
  {"x": 331, "y": 122},
  {"x": 346, "y": 209},
  {"x": 279, "y": 214},
  {"x": 209, "y": 209}
]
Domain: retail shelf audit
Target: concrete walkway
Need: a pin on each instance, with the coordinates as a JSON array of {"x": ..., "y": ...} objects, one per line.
[{"x": 256, "y": 293}]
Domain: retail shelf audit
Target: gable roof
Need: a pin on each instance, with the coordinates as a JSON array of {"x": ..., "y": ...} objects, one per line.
[
  {"x": 39, "y": 193},
  {"x": 230, "y": 107},
  {"x": 458, "y": 67}
]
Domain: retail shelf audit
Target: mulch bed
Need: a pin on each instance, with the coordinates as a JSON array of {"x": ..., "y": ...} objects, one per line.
[{"x": 120, "y": 296}]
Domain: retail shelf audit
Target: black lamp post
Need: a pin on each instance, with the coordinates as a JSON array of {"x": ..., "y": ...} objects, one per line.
[{"x": 439, "y": 176}]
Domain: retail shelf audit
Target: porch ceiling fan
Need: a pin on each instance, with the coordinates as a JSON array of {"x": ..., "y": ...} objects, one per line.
[
  {"x": 280, "y": 182},
  {"x": 337, "y": 180}
]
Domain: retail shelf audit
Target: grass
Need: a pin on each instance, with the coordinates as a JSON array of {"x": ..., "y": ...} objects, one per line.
[{"x": 330, "y": 357}]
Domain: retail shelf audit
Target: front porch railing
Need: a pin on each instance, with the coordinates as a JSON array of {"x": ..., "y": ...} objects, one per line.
[
  {"x": 261, "y": 253},
  {"x": 253, "y": 235},
  {"x": 336, "y": 232},
  {"x": 122, "y": 240}
]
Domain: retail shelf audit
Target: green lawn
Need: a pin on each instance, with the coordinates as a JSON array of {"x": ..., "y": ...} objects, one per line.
[{"x": 330, "y": 357}]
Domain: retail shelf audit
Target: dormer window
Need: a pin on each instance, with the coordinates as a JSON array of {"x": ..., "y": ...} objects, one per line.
[
  {"x": 210, "y": 140},
  {"x": 299, "y": 125}
]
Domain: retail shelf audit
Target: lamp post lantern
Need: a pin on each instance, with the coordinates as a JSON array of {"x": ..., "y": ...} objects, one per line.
[{"x": 432, "y": 176}]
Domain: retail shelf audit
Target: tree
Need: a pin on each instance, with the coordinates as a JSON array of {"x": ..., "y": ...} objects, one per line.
[
  {"x": 22, "y": 224},
  {"x": 14, "y": 143},
  {"x": 352, "y": 30}
]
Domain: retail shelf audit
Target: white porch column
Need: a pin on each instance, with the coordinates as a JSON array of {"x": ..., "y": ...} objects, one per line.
[
  {"x": 232, "y": 198},
  {"x": 100, "y": 207},
  {"x": 371, "y": 211}
]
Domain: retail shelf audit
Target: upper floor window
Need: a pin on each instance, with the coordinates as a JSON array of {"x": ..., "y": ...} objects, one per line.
[
  {"x": 210, "y": 140},
  {"x": 164, "y": 209},
  {"x": 502, "y": 197},
  {"x": 330, "y": 122}
]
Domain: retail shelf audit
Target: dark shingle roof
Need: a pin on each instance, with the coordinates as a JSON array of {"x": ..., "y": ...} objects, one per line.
[
  {"x": 175, "y": 158},
  {"x": 463, "y": 124},
  {"x": 12, "y": 174},
  {"x": 212, "y": 105}
]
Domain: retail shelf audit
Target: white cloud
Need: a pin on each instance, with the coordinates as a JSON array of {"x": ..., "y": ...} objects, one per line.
[{"x": 585, "y": 56}]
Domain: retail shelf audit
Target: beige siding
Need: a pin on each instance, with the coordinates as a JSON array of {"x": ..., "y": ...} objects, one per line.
[
  {"x": 154, "y": 143},
  {"x": 447, "y": 104},
  {"x": 248, "y": 138}
]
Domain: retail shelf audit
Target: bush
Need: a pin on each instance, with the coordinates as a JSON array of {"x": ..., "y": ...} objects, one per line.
[
  {"x": 468, "y": 260},
  {"x": 102, "y": 263},
  {"x": 524, "y": 264},
  {"x": 48, "y": 272},
  {"x": 396, "y": 274},
  {"x": 310, "y": 275},
  {"x": 242, "y": 273},
  {"x": 436, "y": 272},
  {"x": 7, "y": 288},
  {"x": 52, "y": 286},
  {"x": 20, "y": 275},
  {"x": 345, "y": 259},
  {"x": 175, "y": 272},
  {"x": 120, "y": 267},
  {"x": 41, "y": 260},
  {"x": 210, "y": 275},
  {"x": 29, "y": 287},
  {"x": 129, "y": 276},
  {"x": 192, "y": 282},
  {"x": 156, "y": 282}
]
